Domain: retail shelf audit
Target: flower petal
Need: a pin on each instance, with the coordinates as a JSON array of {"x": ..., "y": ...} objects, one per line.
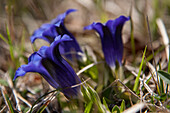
[
  {"x": 111, "y": 39},
  {"x": 38, "y": 34},
  {"x": 48, "y": 32},
  {"x": 67, "y": 48},
  {"x": 58, "y": 68},
  {"x": 61, "y": 17},
  {"x": 35, "y": 65},
  {"x": 116, "y": 24},
  {"x": 96, "y": 26}
]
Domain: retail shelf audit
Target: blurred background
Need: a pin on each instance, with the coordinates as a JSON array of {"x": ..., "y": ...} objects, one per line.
[{"x": 23, "y": 17}]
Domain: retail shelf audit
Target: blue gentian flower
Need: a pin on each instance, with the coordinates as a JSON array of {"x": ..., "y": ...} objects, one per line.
[
  {"x": 54, "y": 69},
  {"x": 49, "y": 31},
  {"x": 111, "y": 39}
]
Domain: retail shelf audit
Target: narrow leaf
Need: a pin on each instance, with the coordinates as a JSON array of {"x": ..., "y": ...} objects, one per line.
[
  {"x": 11, "y": 109},
  {"x": 140, "y": 69},
  {"x": 41, "y": 98},
  {"x": 95, "y": 98},
  {"x": 115, "y": 109},
  {"x": 105, "y": 104},
  {"x": 43, "y": 107},
  {"x": 10, "y": 45},
  {"x": 3, "y": 82},
  {"x": 122, "y": 107},
  {"x": 164, "y": 76},
  {"x": 161, "y": 85},
  {"x": 3, "y": 38},
  {"x": 88, "y": 107}
]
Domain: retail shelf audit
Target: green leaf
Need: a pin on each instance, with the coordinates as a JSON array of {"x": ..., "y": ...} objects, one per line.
[
  {"x": 155, "y": 53},
  {"x": 115, "y": 109},
  {"x": 42, "y": 108},
  {"x": 164, "y": 76},
  {"x": 86, "y": 94},
  {"x": 26, "y": 110},
  {"x": 122, "y": 107},
  {"x": 11, "y": 109},
  {"x": 3, "y": 38},
  {"x": 161, "y": 85},
  {"x": 11, "y": 48},
  {"x": 93, "y": 72},
  {"x": 163, "y": 97},
  {"x": 88, "y": 107},
  {"x": 42, "y": 97},
  {"x": 105, "y": 104},
  {"x": 140, "y": 69},
  {"x": 95, "y": 98},
  {"x": 3, "y": 82}
]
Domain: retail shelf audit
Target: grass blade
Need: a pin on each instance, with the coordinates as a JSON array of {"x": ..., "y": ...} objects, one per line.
[
  {"x": 10, "y": 45},
  {"x": 95, "y": 98},
  {"x": 88, "y": 107},
  {"x": 3, "y": 38},
  {"x": 40, "y": 99},
  {"x": 164, "y": 76},
  {"x": 140, "y": 69},
  {"x": 105, "y": 104},
  {"x": 9, "y": 104},
  {"x": 122, "y": 107},
  {"x": 6, "y": 98},
  {"x": 43, "y": 107},
  {"x": 115, "y": 109}
]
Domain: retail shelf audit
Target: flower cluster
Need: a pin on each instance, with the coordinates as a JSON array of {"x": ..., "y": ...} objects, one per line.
[{"x": 49, "y": 63}]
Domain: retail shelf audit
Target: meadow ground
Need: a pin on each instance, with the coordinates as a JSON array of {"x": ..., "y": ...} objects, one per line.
[{"x": 144, "y": 74}]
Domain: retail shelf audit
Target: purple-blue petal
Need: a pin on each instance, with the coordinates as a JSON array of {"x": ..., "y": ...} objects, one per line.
[
  {"x": 38, "y": 34},
  {"x": 35, "y": 65},
  {"x": 111, "y": 39},
  {"x": 49, "y": 63},
  {"x": 61, "y": 17},
  {"x": 67, "y": 47},
  {"x": 48, "y": 32},
  {"x": 96, "y": 26},
  {"x": 62, "y": 72},
  {"x": 117, "y": 24}
]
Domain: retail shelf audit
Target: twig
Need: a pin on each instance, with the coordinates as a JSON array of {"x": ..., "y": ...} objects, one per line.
[
  {"x": 81, "y": 83},
  {"x": 1, "y": 111},
  {"x": 49, "y": 95},
  {"x": 24, "y": 100},
  {"x": 130, "y": 99},
  {"x": 163, "y": 109},
  {"x": 13, "y": 90},
  {"x": 87, "y": 67},
  {"x": 152, "y": 70},
  {"x": 164, "y": 34},
  {"x": 145, "y": 85},
  {"x": 3, "y": 91},
  {"x": 116, "y": 81},
  {"x": 128, "y": 89},
  {"x": 153, "y": 53},
  {"x": 135, "y": 108}
]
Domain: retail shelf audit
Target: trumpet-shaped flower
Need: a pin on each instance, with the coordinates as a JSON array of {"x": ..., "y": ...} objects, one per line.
[
  {"x": 111, "y": 39},
  {"x": 54, "y": 69},
  {"x": 49, "y": 31}
]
